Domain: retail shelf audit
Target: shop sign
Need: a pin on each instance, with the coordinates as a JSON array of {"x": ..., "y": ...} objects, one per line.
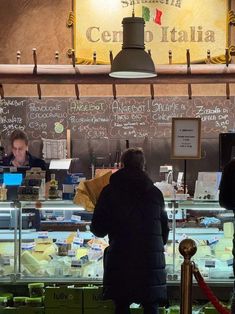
[{"x": 174, "y": 25}]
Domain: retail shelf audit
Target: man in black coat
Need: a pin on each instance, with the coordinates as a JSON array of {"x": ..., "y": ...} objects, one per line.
[
  {"x": 227, "y": 200},
  {"x": 131, "y": 211}
]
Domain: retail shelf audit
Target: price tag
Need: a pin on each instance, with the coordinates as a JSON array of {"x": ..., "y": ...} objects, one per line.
[
  {"x": 61, "y": 242},
  {"x": 97, "y": 247},
  {"x": 76, "y": 218},
  {"x": 76, "y": 263},
  {"x": 43, "y": 234},
  {"x": 213, "y": 240},
  {"x": 60, "y": 218},
  {"x": 182, "y": 237},
  {"x": 6, "y": 260},
  {"x": 78, "y": 240},
  {"x": 230, "y": 262},
  {"x": 71, "y": 253},
  {"x": 210, "y": 264},
  {"x": 85, "y": 259},
  {"x": 28, "y": 246}
]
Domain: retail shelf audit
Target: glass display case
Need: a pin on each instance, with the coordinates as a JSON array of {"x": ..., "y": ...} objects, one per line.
[
  {"x": 60, "y": 246},
  {"x": 51, "y": 241},
  {"x": 8, "y": 241},
  {"x": 211, "y": 227}
]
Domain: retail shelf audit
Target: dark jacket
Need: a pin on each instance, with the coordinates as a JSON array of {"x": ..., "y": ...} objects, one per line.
[
  {"x": 227, "y": 194},
  {"x": 131, "y": 211},
  {"x": 33, "y": 162},
  {"x": 227, "y": 186}
]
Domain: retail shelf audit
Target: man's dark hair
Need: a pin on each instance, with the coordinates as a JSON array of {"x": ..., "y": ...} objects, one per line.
[
  {"x": 133, "y": 158},
  {"x": 18, "y": 135}
]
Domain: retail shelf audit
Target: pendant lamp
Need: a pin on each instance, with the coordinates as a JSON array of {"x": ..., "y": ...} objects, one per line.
[{"x": 133, "y": 61}]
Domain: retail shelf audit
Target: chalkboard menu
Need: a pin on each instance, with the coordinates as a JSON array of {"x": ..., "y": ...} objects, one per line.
[
  {"x": 216, "y": 113},
  {"x": 130, "y": 118},
  {"x": 163, "y": 109},
  {"x": 47, "y": 118},
  {"x": 89, "y": 118},
  {"x": 12, "y": 115},
  {"x": 106, "y": 118}
]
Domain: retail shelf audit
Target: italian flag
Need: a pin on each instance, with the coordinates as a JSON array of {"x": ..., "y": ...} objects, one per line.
[{"x": 155, "y": 16}]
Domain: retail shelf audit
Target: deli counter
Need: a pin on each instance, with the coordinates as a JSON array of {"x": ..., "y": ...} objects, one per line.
[{"x": 51, "y": 241}]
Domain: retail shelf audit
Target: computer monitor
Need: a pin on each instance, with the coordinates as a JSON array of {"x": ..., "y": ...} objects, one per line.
[{"x": 12, "y": 179}]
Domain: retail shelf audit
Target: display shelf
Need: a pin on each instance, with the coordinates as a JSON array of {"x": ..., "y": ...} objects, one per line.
[
  {"x": 33, "y": 234},
  {"x": 200, "y": 205},
  {"x": 58, "y": 204},
  {"x": 180, "y": 213}
]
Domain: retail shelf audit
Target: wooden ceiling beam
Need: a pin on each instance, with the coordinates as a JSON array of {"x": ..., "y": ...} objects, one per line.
[{"x": 99, "y": 74}]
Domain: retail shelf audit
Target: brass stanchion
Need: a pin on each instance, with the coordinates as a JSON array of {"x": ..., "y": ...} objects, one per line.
[{"x": 187, "y": 248}]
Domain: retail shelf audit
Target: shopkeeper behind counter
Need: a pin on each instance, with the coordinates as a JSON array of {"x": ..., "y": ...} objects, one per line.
[{"x": 20, "y": 157}]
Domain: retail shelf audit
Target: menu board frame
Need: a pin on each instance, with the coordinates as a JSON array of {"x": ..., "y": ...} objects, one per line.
[{"x": 185, "y": 142}]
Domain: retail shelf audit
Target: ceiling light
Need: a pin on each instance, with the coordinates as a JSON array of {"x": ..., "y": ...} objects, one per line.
[{"x": 133, "y": 61}]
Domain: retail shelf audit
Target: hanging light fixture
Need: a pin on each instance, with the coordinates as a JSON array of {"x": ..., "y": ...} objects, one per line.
[{"x": 133, "y": 61}]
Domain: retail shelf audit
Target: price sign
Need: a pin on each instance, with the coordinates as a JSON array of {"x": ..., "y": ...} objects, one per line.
[{"x": 186, "y": 138}]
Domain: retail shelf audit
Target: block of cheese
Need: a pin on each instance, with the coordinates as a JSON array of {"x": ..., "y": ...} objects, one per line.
[
  {"x": 225, "y": 242},
  {"x": 169, "y": 249},
  {"x": 202, "y": 251},
  {"x": 169, "y": 259},
  {"x": 228, "y": 229},
  {"x": 30, "y": 262},
  {"x": 81, "y": 252},
  {"x": 43, "y": 241},
  {"x": 70, "y": 238},
  {"x": 43, "y": 252},
  {"x": 223, "y": 249},
  {"x": 43, "y": 247},
  {"x": 223, "y": 256}
]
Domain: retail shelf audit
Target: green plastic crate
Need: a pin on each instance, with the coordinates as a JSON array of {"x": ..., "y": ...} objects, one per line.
[
  {"x": 101, "y": 310},
  {"x": 175, "y": 309},
  {"x": 30, "y": 310},
  {"x": 8, "y": 310},
  {"x": 92, "y": 299},
  {"x": 137, "y": 311},
  {"x": 162, "y": 310},
  {"x": 61, "y": 310},
  {"x": 98, "y": 310},
  {"x": 210, "y": 310},
  {"x": 23, "y": 310},
  {"x": 57, "y": 297}
]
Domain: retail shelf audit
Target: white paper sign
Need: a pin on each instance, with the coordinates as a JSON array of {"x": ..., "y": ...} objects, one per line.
[{"x": 186, "y": 136}]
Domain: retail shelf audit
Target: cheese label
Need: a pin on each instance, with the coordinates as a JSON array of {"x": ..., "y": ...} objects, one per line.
[
  {"x": 76, "y": 218},
  {"x": 78, "y": 240},
  {"x": 209, "y": 263},
  {"x": 43, "y": 234}
]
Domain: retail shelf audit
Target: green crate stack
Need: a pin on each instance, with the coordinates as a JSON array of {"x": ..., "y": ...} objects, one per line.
[
  {"x": 30, "y": 310},
  {"x": 93, "y": 302},
  {"x": 23, "y": 310},
  {"x": 137, "y": 310},
  {"x": 8, "y": 310},
  {"x": 61, "y": 300}
]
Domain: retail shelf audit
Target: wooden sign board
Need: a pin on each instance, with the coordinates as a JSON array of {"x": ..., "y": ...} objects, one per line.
[{"x": 174, "y": 25}]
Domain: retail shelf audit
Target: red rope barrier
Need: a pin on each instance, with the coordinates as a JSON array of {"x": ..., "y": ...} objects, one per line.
[{"x": 208, "y": 292}]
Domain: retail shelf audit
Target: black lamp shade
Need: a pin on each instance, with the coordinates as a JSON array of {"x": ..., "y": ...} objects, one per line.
[{"x": 133, "y": 61}]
